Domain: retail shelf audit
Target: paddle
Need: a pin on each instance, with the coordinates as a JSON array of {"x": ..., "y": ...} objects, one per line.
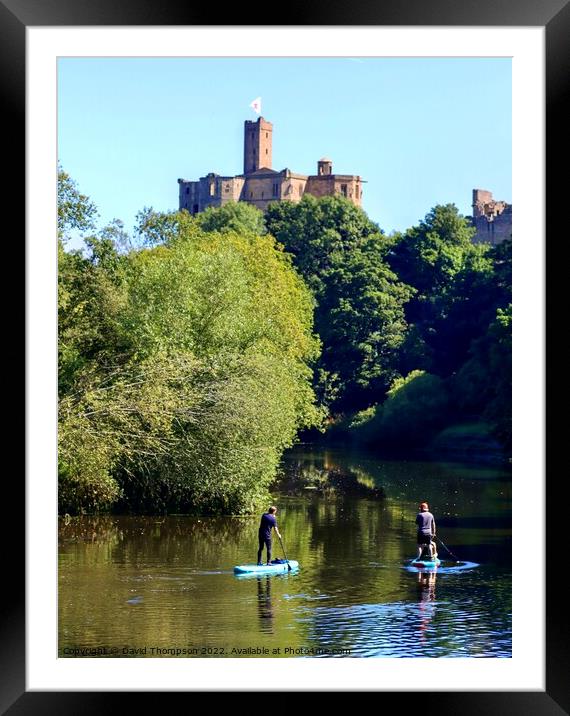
[
  {"x": 447, "y": 548},
  {"x": 283, "y": 548}
]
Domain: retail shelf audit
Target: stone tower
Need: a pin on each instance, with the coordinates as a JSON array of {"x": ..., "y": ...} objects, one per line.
[
  {"x": 257, "y": 140},
  {"x": 324, "y": 166}
]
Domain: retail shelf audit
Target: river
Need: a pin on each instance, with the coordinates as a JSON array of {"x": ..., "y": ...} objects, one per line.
[{"x": 164, "y": 586}]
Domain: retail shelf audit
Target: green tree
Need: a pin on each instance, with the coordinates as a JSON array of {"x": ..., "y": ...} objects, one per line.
[
  {"x": 416, "y": 407},
  {"x": 359, "y": 315},
  {"x": 160, "y": 227},
  {"x": 456, "y": 290},
  {"x": 75, "y": 211},
  {"x": 184, "y": 370},
  {"x": 429, "y": 255},
  {"x": 233, "y": 216},
  {"x": 483, "y": 385}
]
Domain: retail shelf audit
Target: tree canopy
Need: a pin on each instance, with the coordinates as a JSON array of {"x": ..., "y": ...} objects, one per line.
[
  {"x": 359, "y": 300},
  {"x": 185, "y": 371}
]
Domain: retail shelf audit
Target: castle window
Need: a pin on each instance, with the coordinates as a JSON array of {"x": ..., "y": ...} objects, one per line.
[
  {"x": 251, "y": 195},
  {"x": 195, "y": 209},
  {"x": 266, "y": 135},
  {"x": 212, "y": 189},
  {"x": 188, "y": 190},
  {"x": 276, "y": 190},
  {"x": 267, "y": 151},
  {"x": 356, "y": 191},
  {"x": 343, "y": 189}
]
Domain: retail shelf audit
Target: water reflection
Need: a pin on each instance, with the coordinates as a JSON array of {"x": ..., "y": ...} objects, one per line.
[
  {"x": 164, "y": 582},
  {"x": 300, "y": 476},
  {"x": 426, "y": 606},
  {"x": 264, "y": 604}
]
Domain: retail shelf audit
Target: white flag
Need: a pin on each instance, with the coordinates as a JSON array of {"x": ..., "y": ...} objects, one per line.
[{"x": 256, "y": 105}]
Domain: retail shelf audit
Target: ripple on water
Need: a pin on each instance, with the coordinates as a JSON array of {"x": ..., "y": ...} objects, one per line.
[
  {"x": 455, "y": 567},
  {"x": 411, "y": 630}
]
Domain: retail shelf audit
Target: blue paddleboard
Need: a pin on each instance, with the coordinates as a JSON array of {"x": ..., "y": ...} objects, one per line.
[
  {"x": 428, "y": 564},
  {"x": 278, "y": 567}
]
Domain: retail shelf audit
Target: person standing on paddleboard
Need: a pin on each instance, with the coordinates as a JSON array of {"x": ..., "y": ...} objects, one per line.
[
  {"x": 426, "y": 531},
  {"x": 268, "y": 522}
]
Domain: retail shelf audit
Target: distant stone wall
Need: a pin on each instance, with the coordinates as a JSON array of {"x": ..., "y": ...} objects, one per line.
[
  {"x": 211, "y": 190},
  {"x": 261, "y": 189},
  {"x": 492, "y": 219},
  {"x": 330, "y": 184},
  {"x": 495, "y": 231},
  {"x": 293, "y": 187},
  {"x": 232, "y": 189}
]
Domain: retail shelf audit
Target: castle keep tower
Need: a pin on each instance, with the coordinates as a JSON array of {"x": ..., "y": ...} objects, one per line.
[{"x": 257, "y": 139}]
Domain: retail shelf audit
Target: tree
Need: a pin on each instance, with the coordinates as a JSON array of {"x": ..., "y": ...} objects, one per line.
[
  {"x": 483, "y": 385},
  {"x": 184, "y": 370},
  {"x": 359, "y": 315},
  {"x": 429, "y": 255},
  {"x": 233, "y": 216},
  {"x": 75, "y": 211},
  {"x": 160, "y": 227},
  {"x": 454, "y": 295},
  {"x": 416, "y": 407}
]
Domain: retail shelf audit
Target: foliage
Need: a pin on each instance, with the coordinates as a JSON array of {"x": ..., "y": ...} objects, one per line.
[
  {"x": 449, "y": 274},
  {"x": 359, "y": 315},
  {"x": 159, "y": 227},
  {"x": 233, "y": 216},
  {"x": 75, "y": 211},
  {"x": 184, "y": 369},
  {"x": 429, "y": 255},
  {"x": 483, "y": 386},
  {"x": 416, "y": 407}
]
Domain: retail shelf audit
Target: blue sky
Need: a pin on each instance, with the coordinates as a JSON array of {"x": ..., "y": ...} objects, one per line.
[{"x": 419, "y": 131}]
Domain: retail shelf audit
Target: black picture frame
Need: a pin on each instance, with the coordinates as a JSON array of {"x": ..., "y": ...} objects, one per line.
[{"x": 554, "y": 16}]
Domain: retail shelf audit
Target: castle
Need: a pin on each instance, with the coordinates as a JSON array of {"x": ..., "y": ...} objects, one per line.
[
  {"x": 260, "y": 184},
  {"x": 492, "y": 219}
]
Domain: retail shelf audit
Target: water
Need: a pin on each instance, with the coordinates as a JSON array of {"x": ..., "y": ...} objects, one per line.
[{"x": 164, "y": 586}]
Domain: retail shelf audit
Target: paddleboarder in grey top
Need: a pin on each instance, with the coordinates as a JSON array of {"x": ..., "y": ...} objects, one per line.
[
  {"x": 268, "y": 522},
  {"x": 426, "y": 531}
]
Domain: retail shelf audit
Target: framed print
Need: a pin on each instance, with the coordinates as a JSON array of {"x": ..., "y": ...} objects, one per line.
[{"x": 97, "y": 586}]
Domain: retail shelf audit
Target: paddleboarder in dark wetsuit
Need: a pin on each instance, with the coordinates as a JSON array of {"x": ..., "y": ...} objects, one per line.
[
  {"x": 268, "y": 522},
  {"x": 426, "y": 531}
]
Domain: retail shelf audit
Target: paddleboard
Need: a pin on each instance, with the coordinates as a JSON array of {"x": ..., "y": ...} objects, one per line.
[
  {"x": 277, "y": 567},
  {"x": 428, "y": 564}
]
